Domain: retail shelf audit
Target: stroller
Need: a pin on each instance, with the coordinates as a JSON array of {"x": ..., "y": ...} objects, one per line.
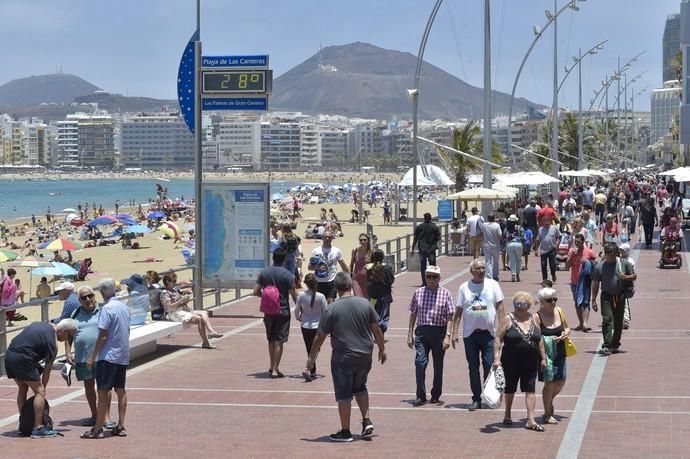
[
  {"x": 670, "y": 248},
  {"x": 562, "y": 250}
]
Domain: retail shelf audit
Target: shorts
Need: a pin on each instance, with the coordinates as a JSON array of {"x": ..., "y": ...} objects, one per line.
[
  {"x": 277, "y": 328},
  {"x": 349, "y": 379},
  {"x": 517, "y": 369},
  {"x": 83, "y": 372},
  {"x": 327, "y": 289},
  {"x": 21, "y": 368},
  {"x": 110, "y": 375},
  {"x": 180, "y": 315},
  {"x": 584, "y": 304}
]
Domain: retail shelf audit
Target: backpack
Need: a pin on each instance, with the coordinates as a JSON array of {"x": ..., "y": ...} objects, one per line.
[
  {"x": 628, "y": 286},
  {"x": 26, "y": 417},
  {"x": 270, "y": 300}
]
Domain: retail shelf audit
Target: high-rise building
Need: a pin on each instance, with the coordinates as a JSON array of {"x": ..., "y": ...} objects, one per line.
[
  {"x": 280, "y": 145},
  {"x": 670, "y": 46},
  {"x": 239, "y": 143},
  {"x": 160, "y": 141},
  {"x": 333, "y": 146},
  {"x": 96, "y": 143},
  {"x": 310, "y": 155},
  {"x": 665, "y": 104}
]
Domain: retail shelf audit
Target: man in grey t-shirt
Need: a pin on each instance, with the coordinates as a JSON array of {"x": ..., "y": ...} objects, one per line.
[
  {"x": 548, "y": 238},
  {"x": 491, "y": 233},
  {"x": 609, "y": 274},
  {"x": 351, "y": 322}
]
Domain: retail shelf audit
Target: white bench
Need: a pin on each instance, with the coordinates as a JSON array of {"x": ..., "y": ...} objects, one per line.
[{"x": 143, "y": 338}]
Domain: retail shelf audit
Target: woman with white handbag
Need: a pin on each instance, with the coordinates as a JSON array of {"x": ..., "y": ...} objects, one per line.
[{"x": 519, "y": 349}]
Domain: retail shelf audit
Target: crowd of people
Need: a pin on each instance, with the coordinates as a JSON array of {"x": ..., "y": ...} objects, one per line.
[{"x": 350, "y": 301}]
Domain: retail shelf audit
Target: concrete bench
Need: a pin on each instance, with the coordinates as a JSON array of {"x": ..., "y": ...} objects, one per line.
[{"x": 143, "y": 338}]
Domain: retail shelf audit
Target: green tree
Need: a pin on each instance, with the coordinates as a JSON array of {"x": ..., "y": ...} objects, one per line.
[{"x": 467, "y": 139}]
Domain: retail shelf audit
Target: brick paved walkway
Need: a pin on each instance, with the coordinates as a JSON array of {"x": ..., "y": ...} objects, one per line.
[{"x": 185, "y": 401}]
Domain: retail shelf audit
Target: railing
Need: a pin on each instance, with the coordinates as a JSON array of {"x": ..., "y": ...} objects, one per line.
[
  {"x": 397, "y": 251},
  {"x": 217, "y": 298}
]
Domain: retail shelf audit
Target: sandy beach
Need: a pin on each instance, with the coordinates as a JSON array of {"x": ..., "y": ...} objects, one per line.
[{"x": 113, "y": 261}]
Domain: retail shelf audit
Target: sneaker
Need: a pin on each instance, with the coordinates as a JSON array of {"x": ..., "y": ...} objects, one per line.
[
  {"x": 419, "y": 402},
  {"x": 605, "y": 351},
  {"x": 475, "y": 406},
  {"x": 109, "y": 425},
  {"x": 43, "y": 432},
  {"x": 341, "y": 436},
  {"x": 367, "y": 428},
  {"x": 306, "y": 374}
]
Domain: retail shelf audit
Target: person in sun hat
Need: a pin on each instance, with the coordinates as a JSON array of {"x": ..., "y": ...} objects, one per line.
[
  {"x": 67, "y": 293},
  {"x": 429, "y": 330}
]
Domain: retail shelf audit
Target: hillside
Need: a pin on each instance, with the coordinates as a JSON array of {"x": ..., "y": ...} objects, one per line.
[{"x": 53, "y": 88}]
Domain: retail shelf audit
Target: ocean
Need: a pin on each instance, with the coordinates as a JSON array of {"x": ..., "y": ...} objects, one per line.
[{"x": 22, "y": 198}]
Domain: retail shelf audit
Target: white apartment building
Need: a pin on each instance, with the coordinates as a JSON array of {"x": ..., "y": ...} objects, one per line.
[
  {"x": 68, "y": 141},
  {"x": 36, "y": 144},
  {"x": 310, "y": 154},
  {"x": 160, "y": 141},
  {"x": 12, "y": 141},
  {"x": 332, "y": 146},
  {"x": 665, "y": 105},
  {"x": 239, "y": 143},
  {"x": 280, "y": 145}
]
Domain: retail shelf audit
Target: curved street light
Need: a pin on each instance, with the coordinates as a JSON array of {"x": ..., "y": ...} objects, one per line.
[
  {"x": 414, "y": 93},
  {"x": 538, "y": 32}
]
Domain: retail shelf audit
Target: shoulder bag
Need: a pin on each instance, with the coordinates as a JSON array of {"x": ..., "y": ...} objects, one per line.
[{"x": 570, "y": 349}]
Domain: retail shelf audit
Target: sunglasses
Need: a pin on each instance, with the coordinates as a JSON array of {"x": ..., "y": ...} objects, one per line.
[
  {"x": 90, "y": 295},
  {"x": 364, "y": 240},
  {"x": 551, "y": 300},
  {"x": 433, "y": 276},
  {"x": 521, "y": 305}
]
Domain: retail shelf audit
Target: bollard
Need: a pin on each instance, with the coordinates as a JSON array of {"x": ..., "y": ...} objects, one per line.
[
  {"x": 3, "y": 345},
  {"x": 218, "y": 299},
  {"x": 44, "y": 311},
  {"x": 398, "y": 258}
]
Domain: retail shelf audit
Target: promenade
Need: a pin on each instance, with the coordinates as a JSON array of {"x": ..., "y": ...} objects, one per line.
[{"x": 188, "y": 402}]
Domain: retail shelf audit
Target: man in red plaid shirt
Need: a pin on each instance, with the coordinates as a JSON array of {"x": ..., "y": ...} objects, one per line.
[{"x": 431, "y": 309}]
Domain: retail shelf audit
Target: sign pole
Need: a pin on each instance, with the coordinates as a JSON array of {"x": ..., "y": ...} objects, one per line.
[{"x": 198, "y": 165}]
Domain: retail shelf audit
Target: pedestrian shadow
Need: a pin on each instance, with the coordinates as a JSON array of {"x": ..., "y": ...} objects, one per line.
[
  {"x": 327, "y": 439},
  {"x": 236, "y": 316},
  {"x": 496, "y": 427},
  {"x": 261, "y": 375},
  {"x": 75, "y": 422},
  {"x": 457, "y": 406}
]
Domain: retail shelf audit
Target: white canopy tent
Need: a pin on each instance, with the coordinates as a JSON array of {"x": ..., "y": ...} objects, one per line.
[
  {"x": 677, "y": 171},
  {"x": 428, "y": 175},
  {"x": 480, "y": 194},
  {"x": 575, "y": 173},
  {"x": 527, "y": 178}
]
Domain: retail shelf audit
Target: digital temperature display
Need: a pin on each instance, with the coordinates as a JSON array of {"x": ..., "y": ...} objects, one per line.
[{"x": 236, "y": 81}]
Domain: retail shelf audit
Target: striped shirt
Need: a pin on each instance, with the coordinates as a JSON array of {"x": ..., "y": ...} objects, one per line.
[{"x": 432, "y": 307}]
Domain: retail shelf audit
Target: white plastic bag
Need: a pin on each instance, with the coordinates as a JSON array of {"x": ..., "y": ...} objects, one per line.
[{"x": 490, "y": 395}]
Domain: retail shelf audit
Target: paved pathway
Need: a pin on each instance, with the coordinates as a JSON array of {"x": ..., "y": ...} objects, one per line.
[{"x": 185, "y": 401}]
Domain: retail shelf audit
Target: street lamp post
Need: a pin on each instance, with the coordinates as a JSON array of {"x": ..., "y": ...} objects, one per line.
[
  {"x": 487, "y": 103},
  {"x": 538, "y": 32},
  {"x": 414, "y": 93},
  {"x": 554, "y": 106}
]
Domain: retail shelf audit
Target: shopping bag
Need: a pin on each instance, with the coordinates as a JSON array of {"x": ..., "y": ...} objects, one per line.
[
  {"x": 570, "y": 349},
  {"x": 490, "y": 395}
]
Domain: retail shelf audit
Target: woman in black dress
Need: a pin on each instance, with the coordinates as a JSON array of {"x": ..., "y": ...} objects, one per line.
[{"x": 520, "y": 351}]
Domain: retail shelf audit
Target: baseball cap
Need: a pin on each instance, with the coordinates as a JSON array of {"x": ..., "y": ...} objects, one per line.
[
  {"x": 625, "y": 247},
  {"x": 513, "y": 218},
  {"x": 65, "y": 286},
  {"x": 431, "y": 269}
]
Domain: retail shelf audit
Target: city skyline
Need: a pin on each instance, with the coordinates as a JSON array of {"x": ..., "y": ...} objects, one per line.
[{"x": 134, "y": 48}]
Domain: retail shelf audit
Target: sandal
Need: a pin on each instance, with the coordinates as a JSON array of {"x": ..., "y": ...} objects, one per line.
[
  {"x": 535, "y": 428},
  {"x": 208, "y": 346},
  {"x": 550, "y": 420},
  {"x": 215, "y": 335},
  {"x": 507, "y": 422},
  {"x": 92, "y": 434},
  {"x": 119, "y": 431},
  {"x": 277, "y": 375}
]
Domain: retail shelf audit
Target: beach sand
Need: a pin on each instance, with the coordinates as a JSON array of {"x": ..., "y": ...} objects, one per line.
[{"x": 117, "y": 263}]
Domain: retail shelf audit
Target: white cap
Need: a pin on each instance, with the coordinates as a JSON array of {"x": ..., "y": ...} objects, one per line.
[
  {"x": 65, "y": 286},
  {"x": 433, "y": 270}
]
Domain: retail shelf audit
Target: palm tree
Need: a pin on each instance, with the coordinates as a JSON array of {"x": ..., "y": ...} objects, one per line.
[{"x": 466, "y": 139}]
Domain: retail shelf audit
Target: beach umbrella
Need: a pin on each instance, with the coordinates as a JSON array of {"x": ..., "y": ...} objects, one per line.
[
  {"x": 30, "y": 262},
  {"x": 56, "y": 269},
  {"x": 69, "y": 209},
  {"x": 277, "y": 197},
  {"x": 63, "y": 244},
  {"x": 125, "y": 219},
  {"x": 6, "y": 255},
  {"x": 156, "y": 214},
  {"x": 137, "y": 229},
  {"x": 169, "y": 229},
  {"x": 103, "y": 220}
]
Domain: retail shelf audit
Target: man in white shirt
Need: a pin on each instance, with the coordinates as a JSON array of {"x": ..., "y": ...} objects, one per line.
[
  {"x": 480, "y": 302},
  {"x": 324, "y": 262},
  {"x": 491, "y": 235},
  {"x": 474, "y": 230}
]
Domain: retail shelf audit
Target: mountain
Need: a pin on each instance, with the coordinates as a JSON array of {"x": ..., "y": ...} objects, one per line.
[
  {"x": 54, "y": 88},
  {"x": 118, "y": 103},
  {"x": 363, "y": 80}
]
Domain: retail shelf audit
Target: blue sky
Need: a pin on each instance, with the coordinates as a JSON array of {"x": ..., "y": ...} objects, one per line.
[{"x": 134, "y": 46}]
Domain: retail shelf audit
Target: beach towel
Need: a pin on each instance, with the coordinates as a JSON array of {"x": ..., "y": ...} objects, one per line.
[
  {"x": 550, "y": 351},
  {"x": 583, "y": 288}
]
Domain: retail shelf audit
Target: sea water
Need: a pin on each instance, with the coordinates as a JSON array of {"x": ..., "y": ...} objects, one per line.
[{"x": 22, "y": 198}]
